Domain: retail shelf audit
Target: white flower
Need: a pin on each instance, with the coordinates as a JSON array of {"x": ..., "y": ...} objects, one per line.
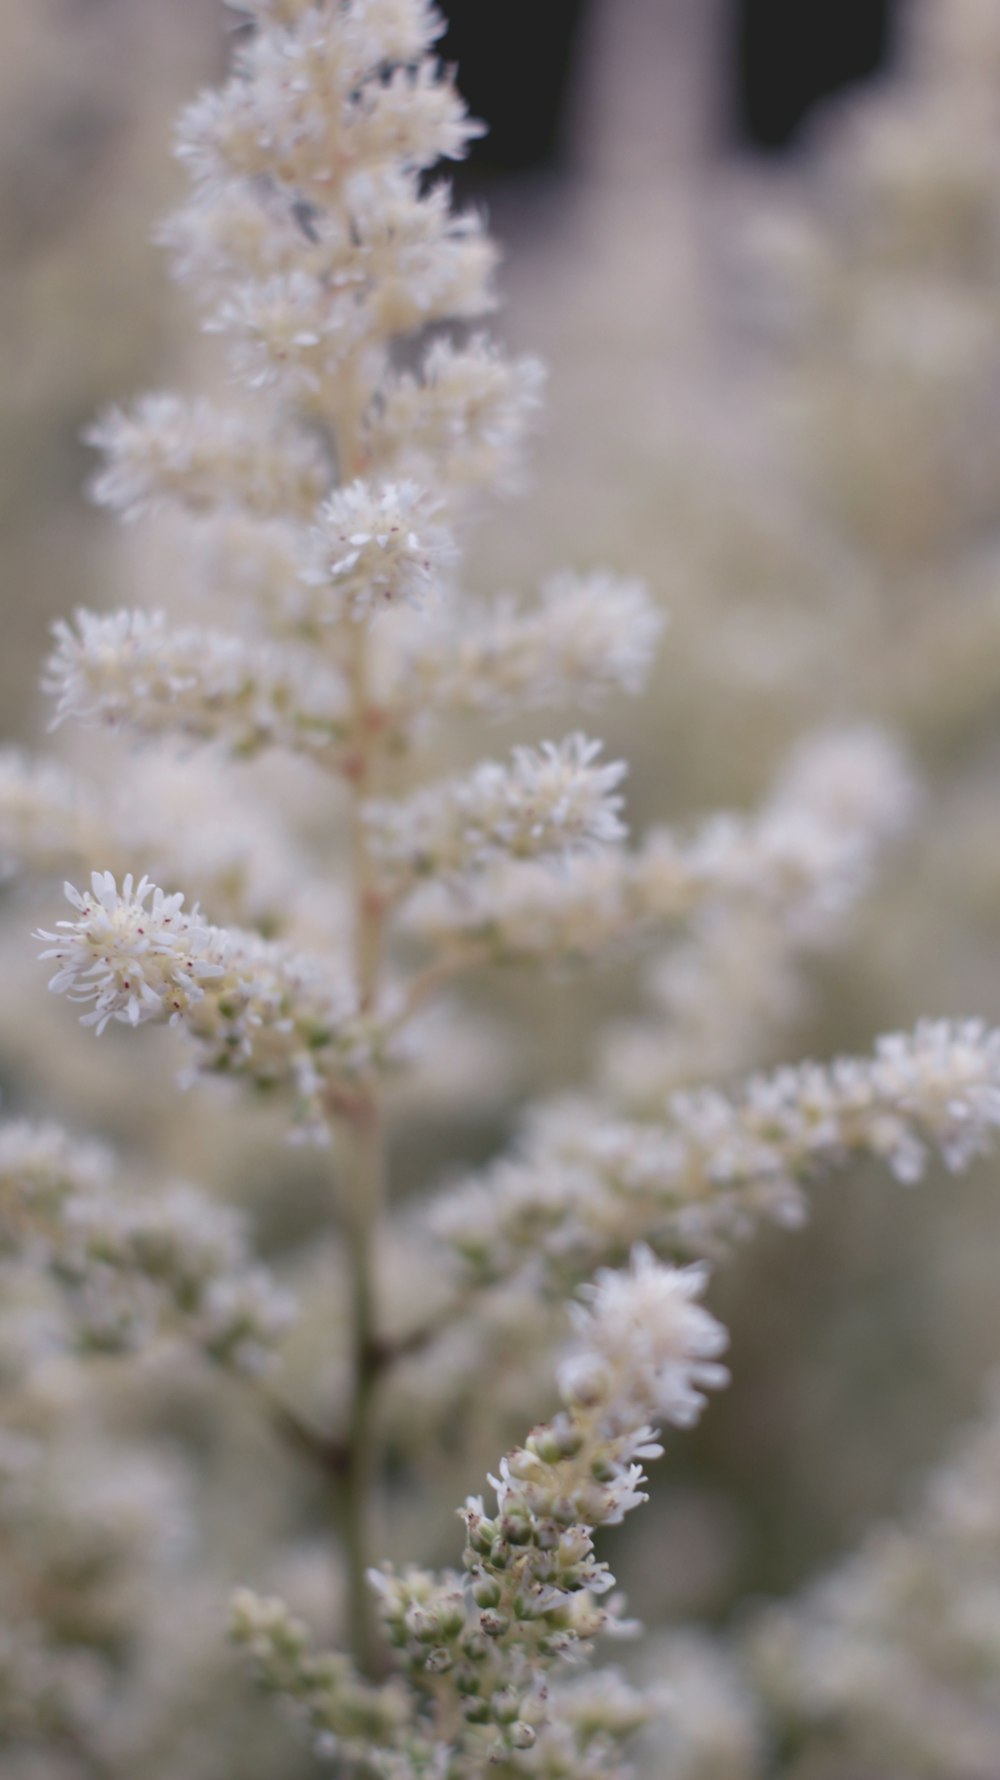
[
  {"x": 378, "y": 546},
  {"x": 138, "y": 954},
  {"x": 589, "y": 636},
  {"x": 549, "y": 803},
  {"x": 288, "y": 331},
  {"x": 644, "y": 1340},
  {"x": 464, "y": 420},
  {"x": 584, "y": 1183},
  {"x": 43, "y": 813},
  {"x": 203, "y": 458},
  {"x": 134, "y": 668},
  {"x": 253, "y": 1007}
]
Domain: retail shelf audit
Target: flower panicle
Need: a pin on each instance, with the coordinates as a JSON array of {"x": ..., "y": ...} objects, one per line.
[
  {"x": 131, "y": 1270},
  {"x": 253, "y": 1008},
  {"x": 584, "y": 1182},
  {"x": 549, "y": 803},
  {"x": 534, "y": 1593},
  {"x": 133, "y": 669},
  {"x": 482, "y": 1651}
]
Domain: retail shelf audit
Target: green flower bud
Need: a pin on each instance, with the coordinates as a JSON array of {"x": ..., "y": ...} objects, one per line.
[
  {"x": 476, "y": 1711},
  {"x": 517, "y": 1529},
  {"x": 475, "y": 1648}
]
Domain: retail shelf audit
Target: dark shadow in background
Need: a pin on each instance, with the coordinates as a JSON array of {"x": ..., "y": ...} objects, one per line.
[
  {"x": 789, "y": 55},
  {"x": 517, "y": 61}
]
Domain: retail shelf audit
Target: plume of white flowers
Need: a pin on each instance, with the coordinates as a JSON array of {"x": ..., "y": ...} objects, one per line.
[
  {"x": 583, "y": 1184},
  {"x": 128, "y": 1269},
  {"x": 807, "y": 856},
  {"x": 135, "y": 669},
  {"x": 169, "y": 452},
  {"x": 482, "y": 1652},
  {"x": 253, "y": 1007},
  {"x": 587, "y": 636},
  {"x": 330, "y": 502},
  {"x": 549, "y": 803}
]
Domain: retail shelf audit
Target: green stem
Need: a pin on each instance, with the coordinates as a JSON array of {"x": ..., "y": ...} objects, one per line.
[
  {"x": 364, "y": 1193},
  {"x": 358, "y": 1490}
]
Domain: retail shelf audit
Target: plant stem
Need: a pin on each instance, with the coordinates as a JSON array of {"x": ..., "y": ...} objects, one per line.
[
  {"x": 364, "y": 1196},
  {"x": 357, "y": 1493}
]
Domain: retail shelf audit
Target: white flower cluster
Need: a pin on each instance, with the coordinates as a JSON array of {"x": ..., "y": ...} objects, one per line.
[
  {"x": 583, "y": 1185},
  {"x": 588, "y": 635},
  {"x": 201, "y": 458},
  {"x": 377, "y": 547},
  {"x": 40, "y": 1168},
  {"x": 94, "y": 1523},
  {"x": 131, "y": 1269},
  {"x": 464, "y": 419},
  {"x": 181, "y": 1261},
  {"x": 348, "y": 1718},
  {"x": 310, "y": 216},
  {"x": 42, "y": 810},
  {"x": 479, "y": 1650},
  {"x": 722, "y": 999},
  {"x": 891, "y": 1663},
  {"x": 550, "y": 803},
  {"x": 309, "y": 98},
  {"x": 807, "y": 855},
  {"x": 134, "y": 669},
  {"x": 642, "y": 1340},
  {"x": 208, "y": 831},
  {"x": 253, "y": 1007},
  {"x": 322, "y": 287}
]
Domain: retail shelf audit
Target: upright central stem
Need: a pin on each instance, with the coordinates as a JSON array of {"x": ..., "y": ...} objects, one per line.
[
  {"x": 364, "y": 1184},
  {"x": 360, "y": 1479}
]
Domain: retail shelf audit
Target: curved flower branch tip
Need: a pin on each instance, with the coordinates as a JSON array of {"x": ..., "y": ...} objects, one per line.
[
  {"x": 534, "y": 1592},
  {"x": 202, "y": 458},
  {"x": 253, "y": 1007},
  {"x": 584, "y": 1182},
  {"x": 642, "y": 1337},
  {"x": 131, "y": 1269},
  {"x": 591, "y": 635},
  {"x": 549, "y": 803},
  {"x": 464, "y": 419},
  {"x": 134, "y": 668}
]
